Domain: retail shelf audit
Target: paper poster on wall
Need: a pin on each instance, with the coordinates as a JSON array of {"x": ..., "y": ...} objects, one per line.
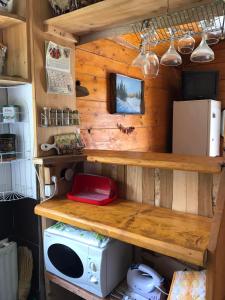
[{"x": 58, "y": 69}]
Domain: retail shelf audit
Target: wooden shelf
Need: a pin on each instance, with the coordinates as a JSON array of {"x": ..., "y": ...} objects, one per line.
[
  {"x": 72, "y": 287},
  {"x": 117, "y": 13},
  {"x": 7, "y": 81},
  {"x": 8, "y": 19},
  {"x": 143, "y": 159},
  {"x": 58, "y": 159},
  {"x": 179, "y": 235},
  {"x": 157, "y": 160}
]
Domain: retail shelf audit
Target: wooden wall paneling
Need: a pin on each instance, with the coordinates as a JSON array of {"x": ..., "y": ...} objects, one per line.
[
  {"x": 117, "y": 173},
  {"x": 179, "y": 191},
  {"x": 134, "y": 183},
  {"x": 185, "y": 192},
  {"x": 93, "y": 168},
  {"x": 157, "y": 187},
  {"x": 216, "y": 183},
  {"x": 166, "y": 188},
  {"x": 94, "y": 62},
  {"x": 148, "y": 186},
  {"x": 205, "y": 201},
  {"x": 16, "y": 39},
  {"x": 39, "y": 11},
  {"x": 192, "y": 193}
]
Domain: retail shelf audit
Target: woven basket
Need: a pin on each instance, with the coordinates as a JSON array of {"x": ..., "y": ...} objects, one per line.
[{"x": 64, "y": 6}]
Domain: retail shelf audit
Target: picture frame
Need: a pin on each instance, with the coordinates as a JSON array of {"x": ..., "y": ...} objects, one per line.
[{"x": 127, "y": 95}]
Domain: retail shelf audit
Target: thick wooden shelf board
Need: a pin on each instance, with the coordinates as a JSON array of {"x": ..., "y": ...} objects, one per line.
[
  {"x": 143, "y": 159},
  {"x": 109, "y": 14},
  {"x": 58, "y": 159},
  {"x": 8, "y": 19},
  {"x": 72, "y": 287},
  {"x": 157, "y": 160},
  {"x": 7, "y": 81},
  {"x": 179, "y": 235}
]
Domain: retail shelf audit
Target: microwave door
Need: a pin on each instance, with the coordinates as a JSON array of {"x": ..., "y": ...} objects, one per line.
[{"x": 67, "y": 261}]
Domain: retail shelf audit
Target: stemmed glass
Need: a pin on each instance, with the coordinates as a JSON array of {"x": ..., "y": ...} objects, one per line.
[
  {"x": 171, "y": 58},
  {"x": 203, "y": 53},
  {"x": 186, "y": 44},
  {"x": 147, "y": 60},
  {"x": 212, "y": 33}
]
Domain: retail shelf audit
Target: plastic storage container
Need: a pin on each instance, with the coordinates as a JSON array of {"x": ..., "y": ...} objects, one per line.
[{"x": 93, "y": 189}]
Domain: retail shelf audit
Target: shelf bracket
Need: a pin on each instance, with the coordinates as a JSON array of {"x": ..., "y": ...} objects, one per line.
[{"x": 57, "y": 32}]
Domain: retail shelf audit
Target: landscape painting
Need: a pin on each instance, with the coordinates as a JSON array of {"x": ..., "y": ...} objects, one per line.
[{"x": 127, "y": 95}]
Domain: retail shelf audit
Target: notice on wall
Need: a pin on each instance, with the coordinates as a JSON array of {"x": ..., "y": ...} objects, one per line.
[{"x": 58, "y": 69}]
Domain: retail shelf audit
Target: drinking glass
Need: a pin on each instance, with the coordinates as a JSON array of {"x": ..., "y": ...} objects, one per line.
[
  {"x": 186, "y": 44},
  {"x": 203, "y": 53},
  {"x": 151, "y": 67},
  {"x": 171, "y": 58}
]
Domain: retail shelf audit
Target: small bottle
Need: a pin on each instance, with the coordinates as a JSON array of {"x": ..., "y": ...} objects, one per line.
[
  {"x": 45, "y": 117},
  {"x": 53, "y": 117},
  {"x": 66, "y": 117},
  {"x": 49, "y": 116}
]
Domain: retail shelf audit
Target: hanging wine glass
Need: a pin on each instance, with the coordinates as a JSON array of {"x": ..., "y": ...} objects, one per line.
[
  {"x": 203, "y": 53},
  {"x": 210, "y": 27},
  {"x": 171, "y": 58},
  {"x": 151, "y": 68},
  {"x": 186, "y": 44}
]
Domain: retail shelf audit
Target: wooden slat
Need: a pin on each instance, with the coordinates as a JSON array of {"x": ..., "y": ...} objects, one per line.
[
  {"x": 205, "y": 195},
  {"x": 161, "y": 230},
  {"x": 157, "y": 160},
  {"x": 186, "y": 192},
  {"x": 166, "y": 188},
  {"x": 148, "y": 186},
  {"x": 134, "y": 183},
  {"x": 116, "y": 13}
]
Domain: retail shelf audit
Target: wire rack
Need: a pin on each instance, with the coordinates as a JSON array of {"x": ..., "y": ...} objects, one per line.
[
  {"x": 195, "y": 21},
  {"x": 16, "y": 169}
]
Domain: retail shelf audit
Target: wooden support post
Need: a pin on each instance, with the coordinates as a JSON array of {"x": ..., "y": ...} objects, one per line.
[{"x": 216, "y": 249}]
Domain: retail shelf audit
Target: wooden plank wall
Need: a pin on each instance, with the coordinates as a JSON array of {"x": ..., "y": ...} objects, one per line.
[
  {"x": 189, "y": 192},
  {"x": 39, "y": 11},
  {"x": 94, "y": 62}
]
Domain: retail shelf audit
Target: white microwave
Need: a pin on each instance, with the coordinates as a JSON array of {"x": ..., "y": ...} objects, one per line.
[{"x": 89, "y": 260}]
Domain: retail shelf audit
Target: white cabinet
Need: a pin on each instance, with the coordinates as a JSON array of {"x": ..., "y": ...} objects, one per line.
[{"x": 196, "y": 127}]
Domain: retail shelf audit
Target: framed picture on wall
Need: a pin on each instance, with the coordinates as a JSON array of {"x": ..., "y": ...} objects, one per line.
[{"x": 127, "y": 95}]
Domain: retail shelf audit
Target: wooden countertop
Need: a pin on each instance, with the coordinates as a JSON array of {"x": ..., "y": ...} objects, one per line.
[
  {"x": 201, "y": 164},
  {"x": 179, "y": 235}
]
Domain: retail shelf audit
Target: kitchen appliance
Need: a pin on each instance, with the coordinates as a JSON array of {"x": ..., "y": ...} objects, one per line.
[
  {"x": 93, "y": 189},
  {"x": 89, "y": 260},
  {"x": 196, "y": 127},
  {"x": 145, "y": 282}
]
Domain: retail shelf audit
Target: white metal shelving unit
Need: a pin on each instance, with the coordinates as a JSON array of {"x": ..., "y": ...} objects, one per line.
[{"x": 17, "y": 174}]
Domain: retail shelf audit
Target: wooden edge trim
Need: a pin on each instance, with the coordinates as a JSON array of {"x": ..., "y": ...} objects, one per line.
[
  {"x": 218, "y": 215},
  {"x": 57, "y": 32}
]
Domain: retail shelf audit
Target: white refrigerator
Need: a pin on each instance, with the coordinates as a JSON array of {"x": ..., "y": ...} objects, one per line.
[{"x": 196, "y": 127}]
